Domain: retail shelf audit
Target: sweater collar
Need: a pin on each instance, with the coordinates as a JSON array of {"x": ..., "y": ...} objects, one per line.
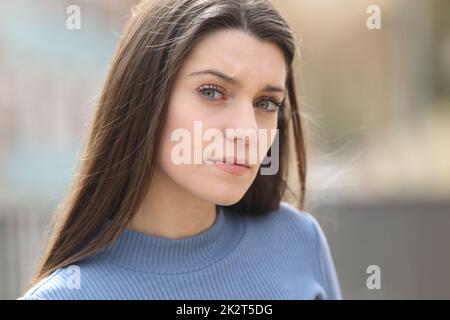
[{"x": 138, "y": 251}]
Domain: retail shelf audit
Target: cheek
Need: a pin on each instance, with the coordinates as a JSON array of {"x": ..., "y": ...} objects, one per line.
[
  {"x": 268, "y": 126},
  {"x": 178, "y": 120},
  {"x": 182, "y": 112}
]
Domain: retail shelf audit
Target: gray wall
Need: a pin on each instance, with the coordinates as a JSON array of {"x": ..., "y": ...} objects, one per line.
[{"x": 408, "y": 240}]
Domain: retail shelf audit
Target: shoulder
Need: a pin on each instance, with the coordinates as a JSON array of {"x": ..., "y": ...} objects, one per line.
[
  {"x": 286, "y": 225},
  {"x": 287, "y": 220},
  {"x": 309, "y": 231},
  {"x": 62, "y": 284},
  {"x": 298, "y": 236},
  {"x": 290, "y": 214},
  {"x": 301, "y": 223},
  {"x": 47, "y": 288}
]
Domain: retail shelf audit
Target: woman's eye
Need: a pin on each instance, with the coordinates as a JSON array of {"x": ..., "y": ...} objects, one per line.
[
  {"x": 214, "y": 92},
  {"x": 210, "y": 92},
  {"x": 269, "y": 104}
]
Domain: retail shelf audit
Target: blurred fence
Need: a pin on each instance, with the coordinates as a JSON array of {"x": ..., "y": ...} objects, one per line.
[{"x": 22, "y": 235}]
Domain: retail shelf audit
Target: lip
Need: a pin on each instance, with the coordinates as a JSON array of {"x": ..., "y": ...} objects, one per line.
[
  {"x": 232, "y": 167},
  {"x": 231, "y": 161},
  {"x": 235, "y": 169}
]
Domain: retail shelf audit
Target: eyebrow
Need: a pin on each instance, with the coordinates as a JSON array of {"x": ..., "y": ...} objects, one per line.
[{"x": 268, "y": 87}]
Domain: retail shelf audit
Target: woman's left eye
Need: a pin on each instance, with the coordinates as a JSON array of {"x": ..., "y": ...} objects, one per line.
[{"x": 269, "y": 104}]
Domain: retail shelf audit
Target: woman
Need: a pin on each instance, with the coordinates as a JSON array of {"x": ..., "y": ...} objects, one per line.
[{"x": 138, "y": 223}]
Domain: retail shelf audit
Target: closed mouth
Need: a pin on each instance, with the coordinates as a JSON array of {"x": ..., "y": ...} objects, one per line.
[{"x": 239, "y": 162}]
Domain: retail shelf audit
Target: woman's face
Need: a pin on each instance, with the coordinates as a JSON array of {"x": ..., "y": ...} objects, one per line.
[{"x": 203, "y": 104}]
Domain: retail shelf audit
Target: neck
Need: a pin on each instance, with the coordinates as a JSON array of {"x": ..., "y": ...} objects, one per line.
[{"x": 171, "y": 212}]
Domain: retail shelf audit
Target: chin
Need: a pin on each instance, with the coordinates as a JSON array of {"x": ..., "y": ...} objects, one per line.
[
  {"x": 226, "y": 197},
  {"x": 227, "y": 202}
]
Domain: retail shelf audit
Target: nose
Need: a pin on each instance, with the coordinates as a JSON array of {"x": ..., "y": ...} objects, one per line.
[{"x": 242, "y": 124}]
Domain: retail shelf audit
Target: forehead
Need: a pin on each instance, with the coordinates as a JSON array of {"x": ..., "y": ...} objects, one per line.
[{"x": 239, "y": 54}]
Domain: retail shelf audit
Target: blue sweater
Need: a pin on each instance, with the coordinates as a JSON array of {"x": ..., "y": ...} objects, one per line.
[{"x": 280, "y": 255}]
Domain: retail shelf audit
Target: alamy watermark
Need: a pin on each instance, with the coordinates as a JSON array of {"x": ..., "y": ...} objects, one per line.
[
  {"x": 74, "y": 277},
  {"x": 73, "y": 21},
  {"x": 257, "y": 141},
  {"x": 374, "y": 280},
  {"x": 374, "y": 20}
]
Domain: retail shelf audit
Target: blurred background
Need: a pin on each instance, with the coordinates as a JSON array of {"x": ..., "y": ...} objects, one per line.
[{"x": 376, "y": 104}]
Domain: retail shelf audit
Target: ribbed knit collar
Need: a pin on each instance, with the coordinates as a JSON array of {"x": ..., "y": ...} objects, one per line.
[{"x": 141, "y": 252}]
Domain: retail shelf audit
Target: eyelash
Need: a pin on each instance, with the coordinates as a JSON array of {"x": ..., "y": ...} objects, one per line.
[{"x": 278, "y": 104}]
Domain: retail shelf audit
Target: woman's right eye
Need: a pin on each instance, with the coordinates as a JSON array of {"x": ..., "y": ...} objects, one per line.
[{"x": 211, "y": 92}]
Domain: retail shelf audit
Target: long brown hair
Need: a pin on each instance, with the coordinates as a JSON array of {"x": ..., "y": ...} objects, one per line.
[{"x": 118, "y": 157}]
